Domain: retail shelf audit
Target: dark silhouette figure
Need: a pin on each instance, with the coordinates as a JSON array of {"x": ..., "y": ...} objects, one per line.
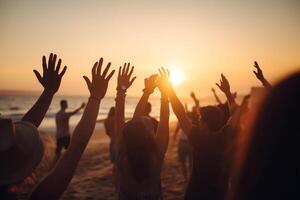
[
  {"x": 270, "y": 168},
  {"x": 109, "y": 125},
  {"x": 21, "y": 148},
  {"x": 140, "y": 152}
]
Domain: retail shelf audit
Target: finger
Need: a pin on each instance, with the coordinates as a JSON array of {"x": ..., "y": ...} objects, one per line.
[
  {"x": 132, "y": 80},
  {"x": 58, "y": 66},
  {"x": 106, "y": 69},
  {"x": 168, "y": 71},
  {"x": 44, "y": 64},
  {"x": 165, "y": 72},
  {"x": 50, "y": 60},
  {"x": 110, "y": 75},
  {"x": 88, "y": 82},
  {"x": 255, "y": 73},
  {"x": 99, "y": 66},
  {"x": 94, "y": 69},
  {"x": 123, "y": 69},
  {"x": 131, "y": 71},
  {"x": 120, "y": 68},
  {"x": 255, "y": 63},
  {"x": 127, "y": 68},
  {"x": 38, "y": 76},
  {"x": 218, "y": 86},
  {"x": 63, "y": 71},
  {"x": 160, "y": 72},
  {"x": 54, "y": 61}
]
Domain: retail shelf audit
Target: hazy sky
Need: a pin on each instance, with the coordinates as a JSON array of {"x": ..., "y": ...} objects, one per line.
[{"x": 199, "y": 38}]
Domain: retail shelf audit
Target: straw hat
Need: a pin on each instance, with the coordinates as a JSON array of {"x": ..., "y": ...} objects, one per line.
[{"x": 21, "y": 150}]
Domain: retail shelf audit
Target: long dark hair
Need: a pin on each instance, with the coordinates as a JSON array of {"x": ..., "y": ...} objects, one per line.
[
  {"x": 139, "y": 147},
  {"x": 271, "y": 166}
]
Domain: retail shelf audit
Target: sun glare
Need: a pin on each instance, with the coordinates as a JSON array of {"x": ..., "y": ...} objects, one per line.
[{"x": 176, "y": 76}]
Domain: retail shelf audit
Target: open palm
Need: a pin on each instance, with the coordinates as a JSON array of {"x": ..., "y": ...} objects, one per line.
[{"x": 51, "y": 78}]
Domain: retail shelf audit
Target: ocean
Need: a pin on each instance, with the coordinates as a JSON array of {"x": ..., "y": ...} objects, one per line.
[{"x": 15, "y": 106}]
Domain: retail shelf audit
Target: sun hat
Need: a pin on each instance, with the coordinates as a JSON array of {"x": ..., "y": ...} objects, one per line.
[{"x": 21, "y": 150}]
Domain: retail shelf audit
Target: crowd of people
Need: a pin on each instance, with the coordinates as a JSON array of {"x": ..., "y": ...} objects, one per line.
[{"x": 234, "y": 151}]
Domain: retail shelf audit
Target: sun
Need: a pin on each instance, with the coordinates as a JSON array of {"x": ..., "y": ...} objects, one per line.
[{"x": 176, "y": 76}]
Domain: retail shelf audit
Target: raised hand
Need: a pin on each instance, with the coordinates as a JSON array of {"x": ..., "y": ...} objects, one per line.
[
  {"x": 124, "y": 77},
  {"x": 151, "y": 83},
  {"x": 51, "y": 78},
  {"x": 193, "y": 95},
  {"x": 260, "y": 76},
  {"x": 224, "y": 85},
  {"x": 164, "y": 83},
  {"x": 99, "y": 83}
]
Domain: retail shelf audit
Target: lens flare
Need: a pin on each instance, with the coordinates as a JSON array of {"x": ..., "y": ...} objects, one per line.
[{"x": 176, "y": 77}]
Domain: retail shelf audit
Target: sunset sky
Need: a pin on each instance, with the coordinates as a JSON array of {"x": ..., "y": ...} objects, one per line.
[{"x": 200, "y": 39}]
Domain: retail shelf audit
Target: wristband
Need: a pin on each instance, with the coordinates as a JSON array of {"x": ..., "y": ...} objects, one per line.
[{"x": 122, "y": 88}]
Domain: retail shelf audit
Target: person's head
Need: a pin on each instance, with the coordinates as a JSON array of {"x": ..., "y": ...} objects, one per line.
[
  {"x": 21, "y": 150},
  {"x": 63, "y": 104},
  {"x": 212, "y": 117},
  {"x": 139, "y": 146},
  {"x": 148, "y": 109},
  {"x": 270, "y": 165},
  {"x": 111, "y": 112}
]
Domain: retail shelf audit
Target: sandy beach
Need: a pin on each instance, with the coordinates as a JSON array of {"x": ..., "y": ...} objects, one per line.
[{"x": 93, "y": 178}]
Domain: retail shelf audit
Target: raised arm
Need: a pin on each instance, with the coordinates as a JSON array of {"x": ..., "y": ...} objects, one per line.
[
  {"x": 50, "y": 80},
  {"x": 196, "y": 101},
  {"x": 124, "y": 82},
  {"x": 260, "y": 76},
  {"x": 225, "y": 88},
  {"x": 150, "y": 84},
  {"x": 162, "y": 132},
  {"x": 53, "y": 185},
  {"x": 77, "y": 110},
  {"x": 178, "y": 108},
  {"x": 216, "y": 96}
]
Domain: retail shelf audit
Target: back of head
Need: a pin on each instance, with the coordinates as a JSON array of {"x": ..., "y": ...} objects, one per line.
[
  {"x": 139, "y": 146},
  {"x": 271, "y": 165},
  {"x": 63, "y": 104},
  {"x": 212, "y": 116}
]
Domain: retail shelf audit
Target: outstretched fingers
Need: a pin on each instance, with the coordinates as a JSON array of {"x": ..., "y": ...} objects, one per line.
[
  {"x": 110, "y": 75},
  {"x": 58, "y": 66},
  {"x": 88, "y": 82},
  {"x": 131, "y": 71},
  {"x": 44, "y": 63},
  {"x": 132, "y": 80},
  {"x": 38, "y": 76},
  {"x": 63, "y": 72},
  {"x": 94, "y": 69},
  {"x": 106, "y": 69},
  {"x": 99, "y": 66}
]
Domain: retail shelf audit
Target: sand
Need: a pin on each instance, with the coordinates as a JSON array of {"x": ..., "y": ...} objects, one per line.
[{"x": 93, "y": 178}]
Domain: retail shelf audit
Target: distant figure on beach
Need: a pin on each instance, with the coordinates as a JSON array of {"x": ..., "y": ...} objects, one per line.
[
  {"x": 109, "y": 125},
  {"x": 62, "y": 126}
]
